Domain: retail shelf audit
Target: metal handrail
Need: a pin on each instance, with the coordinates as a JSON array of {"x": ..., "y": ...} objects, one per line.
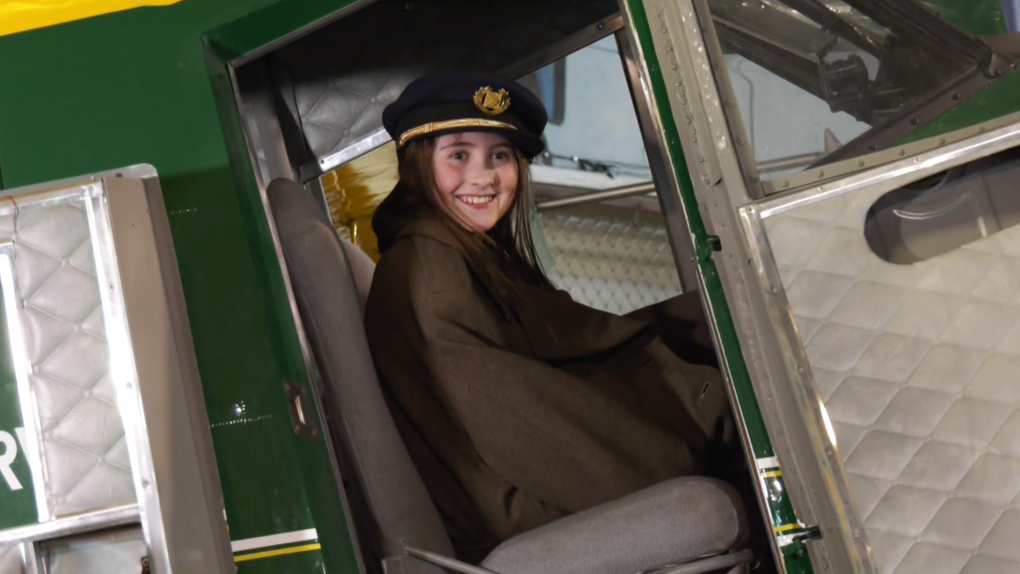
[
  {"x": 598, "y": 196},
  {"x": 77, "y": 524}
]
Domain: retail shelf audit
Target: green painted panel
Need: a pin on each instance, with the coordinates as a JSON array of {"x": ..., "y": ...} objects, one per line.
[
  {"x": 136, "y": 87},
  {"x": 17, "y": 500},
  {"x": 261, "y": 28},
  {"x": 979, "y": 17}
]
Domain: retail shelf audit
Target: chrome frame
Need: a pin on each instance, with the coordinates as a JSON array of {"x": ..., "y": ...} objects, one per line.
[
  {"x": 711, "y": 66},
  {"x": 374, "y": 140},
  {"x": 841, "y": 169},
  {"x": 154, "y": 372},
  {"x": 77, "y": 524},
  {"x": 29, "y": 558},
  {"x": 893, "y": 175},
  {"x": 664, "y": 175},
  {"x": 774, "y": 356},
  {"x": 161, "y": 398}
]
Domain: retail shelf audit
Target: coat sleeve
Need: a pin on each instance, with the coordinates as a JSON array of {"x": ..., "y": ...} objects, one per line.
[
  {"x": 683, "y": 326},
  {"x": 567, "y": 441}
]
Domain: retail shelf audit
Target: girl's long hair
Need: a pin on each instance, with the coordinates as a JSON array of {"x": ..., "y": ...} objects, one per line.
[{"x": 503, "y": 258}]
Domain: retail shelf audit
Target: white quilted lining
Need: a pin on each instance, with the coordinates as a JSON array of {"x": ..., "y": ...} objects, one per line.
[
  {"x": 919, "y": 368},
  {"x": 10, "y": 560},
  {"x": 84, "y": 453}
]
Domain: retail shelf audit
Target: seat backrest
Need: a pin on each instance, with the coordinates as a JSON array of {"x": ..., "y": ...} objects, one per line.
[{"x": 331, "y": 278}]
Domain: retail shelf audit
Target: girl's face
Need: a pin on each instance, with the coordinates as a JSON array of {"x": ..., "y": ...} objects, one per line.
[{"x": 476, "y": 173}]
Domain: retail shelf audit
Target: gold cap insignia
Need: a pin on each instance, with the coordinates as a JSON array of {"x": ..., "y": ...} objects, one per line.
[{"x": 492, "y": 102}]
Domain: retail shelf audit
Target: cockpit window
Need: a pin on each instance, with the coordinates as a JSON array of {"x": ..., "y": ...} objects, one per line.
[
  {"x": 597, "y": 225},
  {"x": 818, "y": 81}
]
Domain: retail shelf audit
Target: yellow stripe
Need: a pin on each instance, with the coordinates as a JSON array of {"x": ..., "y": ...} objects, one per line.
[
  {"x": 772, "y": 473},
  {"x": 787, "y": 527},
  {"x": 280, "y": 552},
  {"x": 23, "y": 15},
  {"x": 433, "y": 127}
]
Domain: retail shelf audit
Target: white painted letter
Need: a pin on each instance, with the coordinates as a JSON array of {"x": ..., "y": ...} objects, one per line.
[{"x": 7, "y": 459}]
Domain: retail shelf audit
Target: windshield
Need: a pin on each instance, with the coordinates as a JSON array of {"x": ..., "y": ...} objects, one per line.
[{"x": 818, "y": 81}]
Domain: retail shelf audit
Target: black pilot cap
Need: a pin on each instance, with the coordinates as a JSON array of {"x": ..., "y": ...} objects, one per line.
[{"x": 458, "y": 101}]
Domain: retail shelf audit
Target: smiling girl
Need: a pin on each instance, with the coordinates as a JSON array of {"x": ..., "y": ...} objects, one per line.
[{"x": 518, "y": 405}]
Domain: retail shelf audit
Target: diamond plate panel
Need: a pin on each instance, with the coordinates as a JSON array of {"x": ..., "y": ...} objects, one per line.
[
  {"x": 85, "y": 466},
  {"x": 615, "y": 260},
  {"x": 919, "y": 368}
]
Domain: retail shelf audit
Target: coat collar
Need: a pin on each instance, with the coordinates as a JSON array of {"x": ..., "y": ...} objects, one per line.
[{"x": 431, "y": 228}]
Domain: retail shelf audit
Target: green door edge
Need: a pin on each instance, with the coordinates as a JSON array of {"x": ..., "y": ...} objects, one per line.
[
  {"x": 336, "y": 549},
  {"x": 778, "y": 503}
]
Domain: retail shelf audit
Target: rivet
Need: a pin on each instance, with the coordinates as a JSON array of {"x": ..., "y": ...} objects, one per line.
[
  {"x": 902, "y": 152},
  {"x": 786, "y": 184},
  {"x": 942, "y": 141},
  {"x": 821, "y": 173},
  {"x": 694, "y": 140},
  {"x": 701, "y": 160},
  {"x": 860, "y": 163}
]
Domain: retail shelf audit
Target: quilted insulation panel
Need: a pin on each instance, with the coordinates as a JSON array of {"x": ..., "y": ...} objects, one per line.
[
  {"x": 84, "y": 456},
  {"x": 10, "y": 560},
  {"x": 919, "y": 368}
]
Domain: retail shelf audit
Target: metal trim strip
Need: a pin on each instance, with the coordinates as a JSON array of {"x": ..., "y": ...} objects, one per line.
[
  {"x": 889, "y": 175},
  {"x": 80, "y": 523},
  {"x": 293, "y": 537}
]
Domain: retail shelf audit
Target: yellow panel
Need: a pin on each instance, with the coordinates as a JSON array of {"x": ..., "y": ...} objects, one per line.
[
  {"x": 22, "y": 15},
  {"x": 355, "y": 189}
]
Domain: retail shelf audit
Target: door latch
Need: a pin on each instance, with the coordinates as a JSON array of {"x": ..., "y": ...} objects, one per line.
[{"x": 301, "y": 416}]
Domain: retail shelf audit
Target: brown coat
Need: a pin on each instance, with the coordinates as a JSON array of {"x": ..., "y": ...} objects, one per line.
[{"x": 514, "y": 422}]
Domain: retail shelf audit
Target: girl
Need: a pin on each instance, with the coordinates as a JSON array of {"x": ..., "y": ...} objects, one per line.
[{"x": 518, "y": 405}]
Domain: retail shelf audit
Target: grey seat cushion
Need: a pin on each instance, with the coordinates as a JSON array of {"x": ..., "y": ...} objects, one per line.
[{"x": 672, "y": 522}]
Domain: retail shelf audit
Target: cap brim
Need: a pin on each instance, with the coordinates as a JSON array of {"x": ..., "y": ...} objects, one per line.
[{"x": 529, "y": 144}]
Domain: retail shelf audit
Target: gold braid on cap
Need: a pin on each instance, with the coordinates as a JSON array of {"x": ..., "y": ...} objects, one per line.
[{"x": 433, "y": 127}]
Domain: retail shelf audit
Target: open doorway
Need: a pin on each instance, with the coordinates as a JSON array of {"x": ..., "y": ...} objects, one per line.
[{"x": 311, "y": 113}]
